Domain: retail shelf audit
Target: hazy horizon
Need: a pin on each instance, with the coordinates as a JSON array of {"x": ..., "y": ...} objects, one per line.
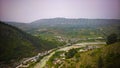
[
  {"x": 30, "y": 10},
  {"x": 59, "y": 18}
]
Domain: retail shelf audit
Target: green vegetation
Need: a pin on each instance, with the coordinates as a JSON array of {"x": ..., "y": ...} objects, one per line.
[
  {"x": 59, "y": 58},
  {"x": 105, "y": 57},
  {"x": 16, "y": 45},
  {"x": 71, "y": 28},
  {"x": 56, "y": 58},
  {"x": 70, "y": 53},
  {"x": 112, "y": 39},
  {"x": 47, "y": 34}
]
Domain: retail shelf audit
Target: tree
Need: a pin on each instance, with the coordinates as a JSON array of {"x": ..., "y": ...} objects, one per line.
[
  {"x": 70, "y": 53},
  {"x": 112, "y": 38}
]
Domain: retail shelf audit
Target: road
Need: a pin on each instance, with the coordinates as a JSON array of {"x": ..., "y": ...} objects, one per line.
[
  {"x": 78, "y": 45},
  {"x": 42, "y": 63}
]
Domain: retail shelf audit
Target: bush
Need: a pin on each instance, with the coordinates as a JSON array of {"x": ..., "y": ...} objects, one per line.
[
  {"x": 112, "y": 39},
  {"x": 70, "y": 53}
]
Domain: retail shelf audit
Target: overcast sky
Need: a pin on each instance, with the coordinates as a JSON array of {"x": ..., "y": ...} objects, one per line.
[{"x": 31, "y": 10}]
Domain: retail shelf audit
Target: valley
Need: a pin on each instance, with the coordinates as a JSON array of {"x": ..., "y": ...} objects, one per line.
[
  {"x": 46, "y": 42},
  {"x": 50, "y": 53},
  {"x": 59, "y": 33}
]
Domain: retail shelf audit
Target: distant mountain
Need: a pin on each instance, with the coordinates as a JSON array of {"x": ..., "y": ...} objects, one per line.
[
  {"x": 77, "y": 28},
  {"x": 72, "y": 26},
  {"x": 16, "y": 44},
  {"x": 74, "y": 22},
  {"x": 64, "y": 22}
]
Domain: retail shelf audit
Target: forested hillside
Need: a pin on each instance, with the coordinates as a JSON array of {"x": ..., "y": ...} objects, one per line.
[{"x": 16, "y": 44}]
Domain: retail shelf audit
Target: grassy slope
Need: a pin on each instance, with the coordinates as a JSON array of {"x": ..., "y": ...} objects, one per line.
[{"x": 107, "y": 57}]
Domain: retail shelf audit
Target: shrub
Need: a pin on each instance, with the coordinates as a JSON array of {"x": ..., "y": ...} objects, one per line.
[
  {"x": 70, "y": 53},
  {"x": 112, "y": 39}
]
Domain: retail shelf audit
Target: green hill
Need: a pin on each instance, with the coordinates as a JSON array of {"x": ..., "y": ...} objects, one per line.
[
  {"x": 16, "y": 44},
  {"x": 107, "y": 57}
]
